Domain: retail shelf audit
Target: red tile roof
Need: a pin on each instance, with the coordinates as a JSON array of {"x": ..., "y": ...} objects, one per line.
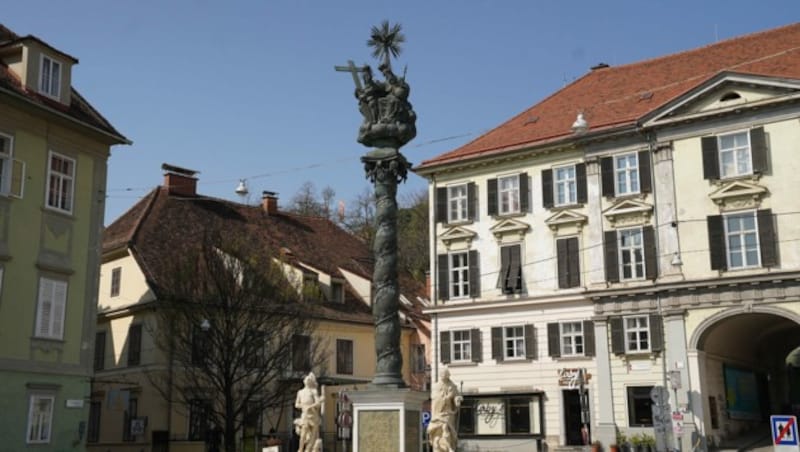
[
  {"x": 79, "y": 109},
  {"x": 616, "y": 97},
  {"x": 156, "y": 228}
]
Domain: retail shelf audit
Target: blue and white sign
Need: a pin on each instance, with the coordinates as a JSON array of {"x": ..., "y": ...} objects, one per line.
[
  {"x": 426, "y": 419},
  {"x": 784, "y": 433}
]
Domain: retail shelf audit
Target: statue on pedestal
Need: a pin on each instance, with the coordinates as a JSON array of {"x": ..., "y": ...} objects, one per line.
[
  {"x": 309, "y": 402},
  {"x": 445, "y": 402}
]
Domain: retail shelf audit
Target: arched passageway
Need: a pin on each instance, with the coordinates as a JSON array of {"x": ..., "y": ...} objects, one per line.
[{"x": 750, "y": 363}]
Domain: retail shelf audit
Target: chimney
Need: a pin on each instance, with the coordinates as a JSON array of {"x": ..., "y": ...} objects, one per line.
[
  {"x": 179, "y": 181},
  {"x": 269, "y": 202}
]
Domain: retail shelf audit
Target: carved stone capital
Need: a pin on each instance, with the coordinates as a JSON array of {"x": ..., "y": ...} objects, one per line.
[{"x": 385, "y": 164}]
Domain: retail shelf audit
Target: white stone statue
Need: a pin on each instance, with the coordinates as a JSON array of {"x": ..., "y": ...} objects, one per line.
[
  {"x": 445, "y": 401},
  {"x": 309, "y": 401}
]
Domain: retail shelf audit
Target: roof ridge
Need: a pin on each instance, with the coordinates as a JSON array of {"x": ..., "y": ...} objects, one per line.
[
  {"x": 705, "y": 47},
  {"x": 145, "y": 212}
]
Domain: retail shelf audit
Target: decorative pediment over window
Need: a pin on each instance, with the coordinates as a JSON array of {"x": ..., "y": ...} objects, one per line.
[
  {"x": 566, "y": 218},
  {"x": 457, "y": 234},
  {"x": 509, "y": 227},
  {"x": 629, "y": 212},
  {"x": 738, "y": 194}
]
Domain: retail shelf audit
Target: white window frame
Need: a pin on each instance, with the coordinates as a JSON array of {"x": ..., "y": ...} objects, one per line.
[
  {"x": 631, "y": 248},
  {"x": 49, "y": 85},
  {"x": 572, "y": 339},
  {"x": 457, "y": 203},
  {"x": 51, "y": 308},
  {"x": 513, "y": 342},
  {"x": 461, "y": 347},
  {"x": 742, "y": 234},
  {"x": 629, "y": 173},
  {"x": 735, "y": 151},
  {"x": 566, "y": 186},
  {"x": 61, "y": 178},
  {"x": 116, "y": 282},
  {"x": 459, "y": 275},
  {"x": 634, "y": 332},
  {"x": 508, "y": 196},
  {"x": 6, "y": 164},
  {"x": 39, "y": 430}
]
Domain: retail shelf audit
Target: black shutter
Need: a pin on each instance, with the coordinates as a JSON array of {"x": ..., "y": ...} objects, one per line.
[
  {"x": 524, "y": 195},
  {"x": 530, "y": 342},
  {"x": 515, "y": 270},
  {"x": 656, "y": 333},
  {"x": 710, "y": 158},
  {"x": 474, "y": 274},
  {"x": 134, "y": 344},
  {"x": 588, "y": 338},
  {"x": 444, "y": 346},
  {"x": 505, "y": 265},
  {"x": 716, "y": 242},
  {"x": 612, "y": 266},
  {"x": 767, "y": 239},
  {"x": 645, "y": 178},
  {"x": 491, "y": 196},
  {"x": 547, "y": 188},
  {"x": 472, "y": 211},
  {"x": 758, "y": 150},
  {"x": 607, "y": 175},
  {"x": 574, "y": 262},
  {"x": 441, "y": 205},
  {"x": 553, "y": 340},
  {"x": 617, "y": 336},
  {"x": 563, "y": 263},
  {"x": 99, "y": 350},
  {"x": 580, "y": 179},
  {"x": 443, "y": 273},
  {"x": 497, "y": 344},
  {"x": 650, "y": 253},
  {"x": 475, "y": 345}
]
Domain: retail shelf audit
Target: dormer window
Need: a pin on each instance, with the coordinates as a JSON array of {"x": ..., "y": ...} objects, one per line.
[{"x": 50, "y": 77}]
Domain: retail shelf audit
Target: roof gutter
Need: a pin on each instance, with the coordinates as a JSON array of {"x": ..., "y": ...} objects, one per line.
[
  {"x": 118, "y": 138},
  {"x": 518, "y": 150}
]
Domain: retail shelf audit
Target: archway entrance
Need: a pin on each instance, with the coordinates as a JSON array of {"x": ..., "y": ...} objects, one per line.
[{"x": 746, "y": 375}]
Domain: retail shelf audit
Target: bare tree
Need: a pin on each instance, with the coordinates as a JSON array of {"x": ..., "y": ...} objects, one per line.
[
  {"x": 308, "y": 202},
  {"x": 238, "y": 335},
  {"x": 412, "y": 226}
]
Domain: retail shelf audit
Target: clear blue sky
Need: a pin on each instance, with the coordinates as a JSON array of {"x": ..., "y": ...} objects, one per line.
[{"x": 246, "y": 89}]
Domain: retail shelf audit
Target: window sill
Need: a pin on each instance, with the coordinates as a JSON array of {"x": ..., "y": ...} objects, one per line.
[
  {"x": 515, "y": 361},
  {"x": 572, "y": 358},
  {"x": 61, "y": 213},
  {"x": 509, "y": 215},
  {"x": 724, "y": 180},
  {"x": 462, "y": 364},
  {"x": 448, "y": 224},
  {"x": 627, "y": 196},
  {"x": 560, "y": 207}
]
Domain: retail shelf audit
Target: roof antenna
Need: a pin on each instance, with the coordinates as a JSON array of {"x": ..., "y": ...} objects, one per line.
[{"x": 716, "y": 33}]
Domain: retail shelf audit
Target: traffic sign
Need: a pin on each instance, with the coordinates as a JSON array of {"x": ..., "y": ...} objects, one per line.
[
  {"x": 426, "y": 419},
  {"x": 784, "y": 433}
]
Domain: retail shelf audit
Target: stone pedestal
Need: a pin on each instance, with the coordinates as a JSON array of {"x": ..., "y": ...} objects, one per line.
[{"x": 387, "y": 419}]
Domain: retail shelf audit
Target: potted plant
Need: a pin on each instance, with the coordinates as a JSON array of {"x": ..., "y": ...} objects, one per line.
[
  {"x": 621, "y": 443},
  {"x": 597, "y": 446},
  {"x": 637, "y": 441},
  {"x": 648, "y": 442}
]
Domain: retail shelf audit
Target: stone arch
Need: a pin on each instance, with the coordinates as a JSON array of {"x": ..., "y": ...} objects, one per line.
[{"x": 703, "y": 327}]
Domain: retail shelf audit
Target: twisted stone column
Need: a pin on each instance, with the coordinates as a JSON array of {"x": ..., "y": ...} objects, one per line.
[{"x": 386, "y": 167}]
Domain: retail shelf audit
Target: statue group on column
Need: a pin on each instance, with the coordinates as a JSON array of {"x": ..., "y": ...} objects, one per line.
[{"x": 388, "y": 114}]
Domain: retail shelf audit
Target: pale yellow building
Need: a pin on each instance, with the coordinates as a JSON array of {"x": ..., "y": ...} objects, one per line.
[{"x": 130, "y": 414}]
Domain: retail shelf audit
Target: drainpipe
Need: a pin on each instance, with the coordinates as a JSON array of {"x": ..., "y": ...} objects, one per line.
[{"x": 434, "y": 289}]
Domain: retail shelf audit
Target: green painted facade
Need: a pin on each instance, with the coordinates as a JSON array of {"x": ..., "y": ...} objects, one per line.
[{"x": 37, "y": 242}]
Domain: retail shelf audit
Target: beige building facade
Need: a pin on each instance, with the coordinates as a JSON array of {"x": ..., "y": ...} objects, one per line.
[{"x": 620, "y": 260}]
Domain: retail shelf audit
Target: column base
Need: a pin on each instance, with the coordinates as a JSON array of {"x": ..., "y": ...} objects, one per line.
[{"x": 387, "y": 419}]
